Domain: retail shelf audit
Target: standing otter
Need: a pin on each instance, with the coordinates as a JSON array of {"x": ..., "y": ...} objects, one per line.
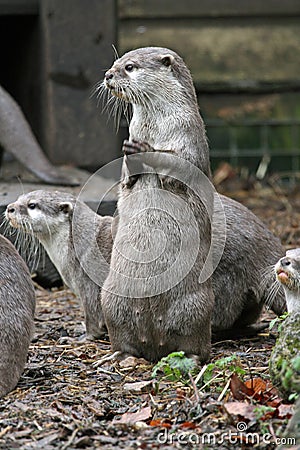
[
  {"x": 17, "y": 306},
  {"x": 165, "y": 115},
  {"x": 49, "y": 216}
]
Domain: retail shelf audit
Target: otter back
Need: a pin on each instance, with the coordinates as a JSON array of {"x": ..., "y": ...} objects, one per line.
[{"x": 17, "y": 306}]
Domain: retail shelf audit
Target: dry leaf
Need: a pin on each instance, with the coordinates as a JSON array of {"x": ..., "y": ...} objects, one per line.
[
  {"x": 285, "y": 411},
  {"x": 140, "y": 387},
  {"x": 128, "y": 418},
  {"x": 131, "y": 361},
  {"x": 241, "y": 409},
  {"x": 188, "y": 425},
  {"x": 238, "y": 388},
  {"x": 164, "y": 423}
]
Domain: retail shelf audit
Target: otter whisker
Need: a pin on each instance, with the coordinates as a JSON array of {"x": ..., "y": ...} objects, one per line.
[
  {"x": 273, "y": 291},
  {"x": 115, "y": 51}
]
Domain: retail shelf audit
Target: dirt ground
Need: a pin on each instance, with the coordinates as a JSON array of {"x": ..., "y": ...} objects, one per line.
[{"x": 69, "y": 397}]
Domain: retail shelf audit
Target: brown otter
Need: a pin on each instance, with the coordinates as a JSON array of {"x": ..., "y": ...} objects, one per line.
[
  {"x": 165, "y": 115},
  {"x": 16, "y": 137},
  {"x": 49, "y": 216},
  {"x": 17, "y": 306}
]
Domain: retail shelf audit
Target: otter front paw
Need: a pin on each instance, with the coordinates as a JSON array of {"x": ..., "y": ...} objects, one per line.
[{"x": 133, "y": 147}]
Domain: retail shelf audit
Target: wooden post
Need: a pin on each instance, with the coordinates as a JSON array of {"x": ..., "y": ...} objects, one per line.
[{"x": 76, "y": 49}]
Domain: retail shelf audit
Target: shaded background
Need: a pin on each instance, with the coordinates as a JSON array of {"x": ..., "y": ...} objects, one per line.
[{"x": 244, "y": 58}]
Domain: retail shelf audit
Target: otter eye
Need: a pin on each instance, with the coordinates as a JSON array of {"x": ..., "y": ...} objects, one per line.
[
  {"x": 129, "y": 67},
  {"x": 32, "y": 205}
]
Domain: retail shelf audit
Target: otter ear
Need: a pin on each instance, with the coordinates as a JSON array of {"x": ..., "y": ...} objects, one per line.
[
  {"x": 66, "y": 207},
  {"x": 167, "y": 60}
]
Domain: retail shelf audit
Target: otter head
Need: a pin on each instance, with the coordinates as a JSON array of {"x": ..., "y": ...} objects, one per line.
[
  {"x": 41, "y": 213},
  {"x": 287, "y": 272},
  {"x": 150, "y": 75}
]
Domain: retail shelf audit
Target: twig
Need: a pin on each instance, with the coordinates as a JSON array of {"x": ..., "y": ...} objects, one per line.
[
  {"x": 224, "y": 390},
  {"x": 105, "y": 359},
  {"x": 195, "y": 388},
  {"x": 200, "y": 373},
  {"x": 67, "y": 444},
  {"x": 156, "y": 405},
  {"x": 209, "y": 382}
]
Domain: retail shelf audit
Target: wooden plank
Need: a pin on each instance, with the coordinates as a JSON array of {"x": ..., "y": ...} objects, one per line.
[
  {"x": 77, "y": 47},
  {"x": 206, "y": 8},
  {"x": 219, "y": 51},
  {"x": 22, "y": 7}
]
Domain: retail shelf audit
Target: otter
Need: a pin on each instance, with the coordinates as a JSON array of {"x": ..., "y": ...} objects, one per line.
[
  {"x": 16, "y": 137},
  {"x": 17, "y": 307},
  {"x": 284, "y": 360},
  {"x": 49, "y": 217},
  {"x": 287, "y": 272},
  {"x": 165, "y": 118}
]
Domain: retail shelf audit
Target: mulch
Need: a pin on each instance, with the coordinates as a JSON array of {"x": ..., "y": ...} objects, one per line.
[{"x": 71, "y": 397}]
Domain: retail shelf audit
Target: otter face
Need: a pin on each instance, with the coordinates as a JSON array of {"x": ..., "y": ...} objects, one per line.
[
  {"x": 39, "y": 212},
  {"x": 288, "y": 270},
  {"x": 140, "y": 74}
]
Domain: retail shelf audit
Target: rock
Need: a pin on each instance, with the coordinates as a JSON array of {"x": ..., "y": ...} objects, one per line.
[{"x": 285, "y": 358}]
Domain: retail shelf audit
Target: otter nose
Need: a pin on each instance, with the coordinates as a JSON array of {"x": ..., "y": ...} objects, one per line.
[
  {"x": 285, "y": 262},
  {"x": 11, "y": 208},
  {"x": 108, "y": 75}
]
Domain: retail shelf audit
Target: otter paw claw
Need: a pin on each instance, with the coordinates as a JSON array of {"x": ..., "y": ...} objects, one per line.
[{"x": 133, "y": 147}]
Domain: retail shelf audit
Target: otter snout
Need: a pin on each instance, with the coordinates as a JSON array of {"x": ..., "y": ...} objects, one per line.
[
  {"x": 11, "y": 215},
  {"x": 108, "y": 75},
  {"x": 286, "y": 271},
  {"x": 11, "y": 208}
]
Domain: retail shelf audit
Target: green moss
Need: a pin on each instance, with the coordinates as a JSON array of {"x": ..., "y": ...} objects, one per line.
[{"x": 285, "y": 358}]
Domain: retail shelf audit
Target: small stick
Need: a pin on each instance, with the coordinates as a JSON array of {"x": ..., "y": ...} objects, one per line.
[{"x": 105, "y": 359}]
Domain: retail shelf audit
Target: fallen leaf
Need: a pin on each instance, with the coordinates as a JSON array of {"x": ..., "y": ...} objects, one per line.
[
  {"x": 188, "y": 425},
  {"x": 142, "y": 414},
  {"x": 244, "y": 410},
  {"x": 257, "y": 385},
  {"x": 164, "y": 423},
  {"x": 139, "y": 387},
  {"x": 131, "y": 361},
  {"x": 264, "y": 392},
  {"x": 238, "y": 388},
  {"x": 285, "y": 411}
]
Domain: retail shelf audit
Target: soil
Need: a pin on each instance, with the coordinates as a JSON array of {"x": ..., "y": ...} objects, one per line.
[{"x": 69, "y": 397}]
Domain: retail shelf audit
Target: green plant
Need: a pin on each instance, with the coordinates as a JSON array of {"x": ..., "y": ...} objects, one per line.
[
  {"x": 176, "y": 366},
  {"x": 261, "y": 414},
  {"x": 225, "y": 366},
  {"x": 278, "y": 319}
]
